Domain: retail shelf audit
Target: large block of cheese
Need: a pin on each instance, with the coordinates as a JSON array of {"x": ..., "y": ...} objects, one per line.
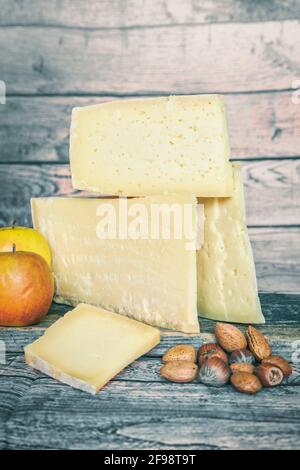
[
  {"x": 88, "y": 346},
  {"x": 152, "y": 146},
  {"x": 151, "y": 280},
  {"x": 227, "y": 288}
]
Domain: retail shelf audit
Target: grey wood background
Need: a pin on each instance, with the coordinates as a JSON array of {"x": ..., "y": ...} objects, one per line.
[
  {"x": 55, "y": 54},
  {"x": 61, "y": 53}
]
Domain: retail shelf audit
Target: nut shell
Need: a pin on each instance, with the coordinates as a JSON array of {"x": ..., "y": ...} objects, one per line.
[
  {"x": 246, "y": 383},
  {"x": 230, "y": 337},
  {"x": 269, "y": 375},
  {"x": 180, "y": 352},
  {"x": 242, "y": 367},
  {"x": 258, "y": 344},
  {"x": 241, "y": 356},
  {"x": 179, "y": 371},
  {"x": 280, "y": 362},
  {"x": 214, "y": 372},
  {"x": 209, "y": 350}
]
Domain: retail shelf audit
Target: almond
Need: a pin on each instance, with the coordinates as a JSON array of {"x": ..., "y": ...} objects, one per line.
[
  {"x": 230, "y": 337},
  {"x": 281, "y": 363},
  {"x": 179, "y": 371},
  {"x": 181, "y": 352},
  {"x": 242, "y": 367},
  {"x": 258, "y": 344},
  {"x": 246, "y": 383}
]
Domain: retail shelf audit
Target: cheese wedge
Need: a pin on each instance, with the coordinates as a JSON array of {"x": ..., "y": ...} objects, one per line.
[
  {"x": 151, "y": 280},
  {"x": 227, "y": 288},
  {"x": 88, "y": 346},
  {"x": 176, "y": 144}
]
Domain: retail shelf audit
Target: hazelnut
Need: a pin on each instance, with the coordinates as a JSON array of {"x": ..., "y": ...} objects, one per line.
[
  {"x": 280, "y": 362},
  {"x": 211, "y": 350},
  {"x": 214, "y": 372},
  {"x": 241, "y": 355},
  {"x": 269, "y": 375}
]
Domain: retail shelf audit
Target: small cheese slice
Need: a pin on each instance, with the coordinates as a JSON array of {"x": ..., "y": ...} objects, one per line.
[
  {"x": 88, "y": 346},
  {"x": 176, "y": 144},
  {"x": 227, "y": 288},
  {"x": 151, "y": 280}
]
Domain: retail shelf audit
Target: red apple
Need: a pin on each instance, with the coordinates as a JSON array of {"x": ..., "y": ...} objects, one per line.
[{"x": 26, "y": 288}]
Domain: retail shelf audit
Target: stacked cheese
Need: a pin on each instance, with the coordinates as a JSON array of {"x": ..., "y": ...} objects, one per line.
[{"x": 165, "y": 151}]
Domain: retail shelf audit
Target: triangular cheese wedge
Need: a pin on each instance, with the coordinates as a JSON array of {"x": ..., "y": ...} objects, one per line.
[{"x": 227, "y": 288}]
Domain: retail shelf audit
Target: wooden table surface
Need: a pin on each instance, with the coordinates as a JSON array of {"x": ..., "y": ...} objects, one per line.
[{"x": 139, "y": 410}]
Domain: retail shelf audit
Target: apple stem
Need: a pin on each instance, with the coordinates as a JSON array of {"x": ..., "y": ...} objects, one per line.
[
  {"x": 14, "y": 248},
  {"x": 13, "y": 224}
]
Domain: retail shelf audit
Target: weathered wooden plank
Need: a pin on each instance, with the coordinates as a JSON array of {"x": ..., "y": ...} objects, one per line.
[
  {"x": 272, "y": 190},
  {"x": 37, "y": 129},
  {"x": 277, "y": 256},
  {"x": 187, "y": 59},
  {"x": 128, "y": 413},
  {"x": 137, "y": 13}
]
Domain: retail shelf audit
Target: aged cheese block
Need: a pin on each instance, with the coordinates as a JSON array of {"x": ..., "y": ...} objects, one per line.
[
  {"x": 227, "y": 288},
  {"x": 151, "y": 280},
  {"x": 88, "y": 346},
  {"x": 152, "y": 146}
]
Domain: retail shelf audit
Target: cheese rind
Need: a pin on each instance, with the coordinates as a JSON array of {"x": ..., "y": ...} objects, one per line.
[
  {"x": 151, "y": 280},
  {"x": 227, "y": 288},
  {"x": 176, "y": 144},
  {"x": 88, "y": 346}
]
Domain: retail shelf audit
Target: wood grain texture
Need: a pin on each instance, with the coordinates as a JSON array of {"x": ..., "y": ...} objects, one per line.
[
  {"x": 37, "y": 128},
  {"x": 277, "y": 258},
  {"x": 272, "y": 190},
  {"x": 142, "y": 13},
  {"x": 132, "y": 415},
  {"x": 140, "y": 410},
  {"x": 181, "y": 59}
]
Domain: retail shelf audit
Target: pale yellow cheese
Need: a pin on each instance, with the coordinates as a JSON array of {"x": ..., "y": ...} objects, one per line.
[
  {"x": 88, "y": 346},
  {"x": 151, "y": 280},
  {"x": 227, "y": 288},
  {"x": 176, "y": 144}
]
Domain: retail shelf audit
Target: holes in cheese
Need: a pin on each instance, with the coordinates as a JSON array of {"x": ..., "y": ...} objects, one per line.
[
  {"x": 151, "y": 280},
  {"x": 88, "y": 346},
  {"x": 176, "y": 144},
  {"x": 227, "y": 288}
]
